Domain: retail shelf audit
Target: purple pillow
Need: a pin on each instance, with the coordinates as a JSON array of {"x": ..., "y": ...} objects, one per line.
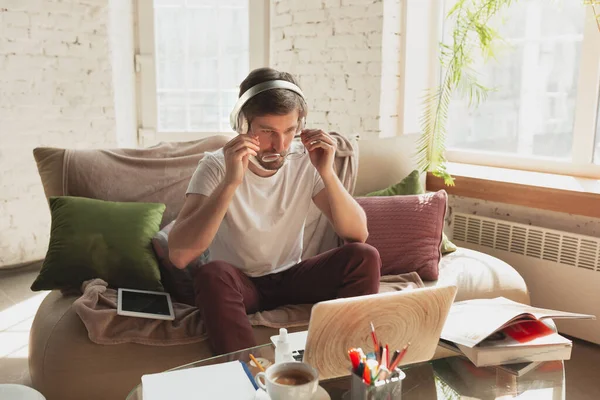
[
  {"x": 407, "y": 231},
  {"x": 178, "y": 282}
]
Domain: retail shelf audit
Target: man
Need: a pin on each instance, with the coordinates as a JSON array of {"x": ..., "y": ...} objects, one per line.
[{"x": 247, "y": 203}]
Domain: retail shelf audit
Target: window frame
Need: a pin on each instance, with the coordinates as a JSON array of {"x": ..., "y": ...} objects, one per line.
[
  {"x": 145, "y": 67},
  {"x": 586, "y": 112}
]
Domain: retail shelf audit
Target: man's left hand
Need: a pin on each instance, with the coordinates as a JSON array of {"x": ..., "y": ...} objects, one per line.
[{"x": 321, "y": 149}]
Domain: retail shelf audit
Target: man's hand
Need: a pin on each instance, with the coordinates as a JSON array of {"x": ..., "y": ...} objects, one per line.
[
  {"x": 321, "y": 149},
  {"x": 236, "y": 153}
]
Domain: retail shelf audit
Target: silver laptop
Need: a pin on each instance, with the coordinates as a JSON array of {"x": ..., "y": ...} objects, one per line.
[{"x": 414, "y": 316}]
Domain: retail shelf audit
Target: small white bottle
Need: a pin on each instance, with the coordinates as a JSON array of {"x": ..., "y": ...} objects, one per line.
[{"x": 283, "y": 352}]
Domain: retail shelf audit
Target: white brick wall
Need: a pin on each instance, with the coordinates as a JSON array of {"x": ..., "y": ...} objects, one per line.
[
  {"x": 335, "y": 49},
  {"x": 55, "y": 90}
]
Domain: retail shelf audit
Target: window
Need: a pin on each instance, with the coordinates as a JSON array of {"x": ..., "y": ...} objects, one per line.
[
  {"x": 543, "y": 114},
  {"x": 193, "y": 56}
]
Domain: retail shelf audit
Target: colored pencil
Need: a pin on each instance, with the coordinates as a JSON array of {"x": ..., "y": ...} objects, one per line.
[{"x": 257, "y": 363}]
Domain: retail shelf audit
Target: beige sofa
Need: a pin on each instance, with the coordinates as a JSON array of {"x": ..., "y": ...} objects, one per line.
[{"x": 65, "y": 364}]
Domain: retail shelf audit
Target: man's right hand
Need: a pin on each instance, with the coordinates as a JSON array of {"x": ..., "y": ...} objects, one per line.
[{"x": 236, "y": 153}]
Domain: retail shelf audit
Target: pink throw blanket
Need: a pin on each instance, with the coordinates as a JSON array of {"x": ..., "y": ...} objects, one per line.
[{"x": 97, "y": 308}]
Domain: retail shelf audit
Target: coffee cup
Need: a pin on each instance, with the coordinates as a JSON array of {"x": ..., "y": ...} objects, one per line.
[{"x": 289, "y": 381}]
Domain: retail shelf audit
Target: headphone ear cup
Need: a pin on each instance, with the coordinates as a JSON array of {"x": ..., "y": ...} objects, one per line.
[
  {"x": 302, "y": 124},
  {"x": 242, "y": 124}
]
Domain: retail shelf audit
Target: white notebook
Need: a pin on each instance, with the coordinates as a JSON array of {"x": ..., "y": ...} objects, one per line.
[{"x": 219, "y": 381}]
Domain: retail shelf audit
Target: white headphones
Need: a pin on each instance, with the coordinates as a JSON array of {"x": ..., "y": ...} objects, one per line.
[{"x": 238, "y": 120}]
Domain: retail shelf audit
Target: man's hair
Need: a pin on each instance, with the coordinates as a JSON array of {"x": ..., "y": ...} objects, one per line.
[{"x": 273, "y": 101}]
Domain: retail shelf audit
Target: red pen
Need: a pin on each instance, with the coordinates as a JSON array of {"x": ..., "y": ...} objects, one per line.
[
  {"x": 354, "y": 358},
  {"x": 399, "y": 358},
  {"x": 387, "y": 356},
  {"x": 374, "y": 336},
  {"x": 394, "y": 356}
]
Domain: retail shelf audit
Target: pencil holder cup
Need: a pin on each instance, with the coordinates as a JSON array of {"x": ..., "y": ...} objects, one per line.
[{"x": 388, "y": 389}]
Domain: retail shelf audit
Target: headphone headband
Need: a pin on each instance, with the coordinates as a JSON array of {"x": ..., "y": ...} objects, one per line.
[{"x": 253, "y": 91}]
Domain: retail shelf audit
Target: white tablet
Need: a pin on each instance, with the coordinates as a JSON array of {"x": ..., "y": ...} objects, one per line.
[{"x": 145, "y": 304}]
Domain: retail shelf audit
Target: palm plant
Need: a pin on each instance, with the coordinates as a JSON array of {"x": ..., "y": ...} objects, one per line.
[
  {"x": 593, "y": 4},
  {"x": 471, "y": 37}
]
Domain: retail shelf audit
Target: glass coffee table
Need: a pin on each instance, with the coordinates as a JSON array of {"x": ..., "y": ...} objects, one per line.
[{"x": 447, "y": 378}]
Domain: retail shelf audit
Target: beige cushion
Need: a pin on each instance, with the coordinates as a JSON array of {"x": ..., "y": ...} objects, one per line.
[
  {"x": 50, "y": 167},
  {"x": 157, "y": 174},
  {"x": 481, "y": 276},
  {"x": 384, "y": 162},
  {"x": 65, "y": 364}
]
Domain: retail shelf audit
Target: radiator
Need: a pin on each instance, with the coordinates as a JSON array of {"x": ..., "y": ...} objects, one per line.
[{"x": 561, "y": 269}]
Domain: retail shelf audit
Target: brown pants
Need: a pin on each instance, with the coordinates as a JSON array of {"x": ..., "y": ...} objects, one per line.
[{"x": 225, "y": 295}]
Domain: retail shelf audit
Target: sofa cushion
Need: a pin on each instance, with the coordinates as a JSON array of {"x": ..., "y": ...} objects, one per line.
[
  {"x": 101, "y": 239},
  {"x": 480, "y": 276},
  {"x": 177, "y": 281},
  {"x": 407, "y": 231},
  {"x": 50, "y": 162},
  {"x": 412, "y": 185},
  {"x": 157, "y": 174},
  {"x": 385, "y": 161}
]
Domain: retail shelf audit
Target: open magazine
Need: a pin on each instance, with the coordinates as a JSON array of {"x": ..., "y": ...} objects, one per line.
[
  {"x": 530, "y": 340},
  {"x": 470, "y": 322}
]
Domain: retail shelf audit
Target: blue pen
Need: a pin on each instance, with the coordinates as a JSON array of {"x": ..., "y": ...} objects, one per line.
[{"x": 247, "y": 370}]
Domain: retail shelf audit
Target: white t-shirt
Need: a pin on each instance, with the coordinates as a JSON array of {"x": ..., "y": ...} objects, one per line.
[{"x": 263, "y": 228}]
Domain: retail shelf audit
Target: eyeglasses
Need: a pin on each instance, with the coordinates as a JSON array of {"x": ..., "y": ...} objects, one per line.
[{"x": 297, "y": 150}]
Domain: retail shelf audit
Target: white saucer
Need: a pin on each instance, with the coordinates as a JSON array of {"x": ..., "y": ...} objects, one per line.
[{"x": 320, "y": 394}]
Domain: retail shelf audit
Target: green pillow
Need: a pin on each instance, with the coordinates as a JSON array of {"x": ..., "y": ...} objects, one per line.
[
  {"x": 92, "y": 238},
  {"x": 407, "y": 186}
]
